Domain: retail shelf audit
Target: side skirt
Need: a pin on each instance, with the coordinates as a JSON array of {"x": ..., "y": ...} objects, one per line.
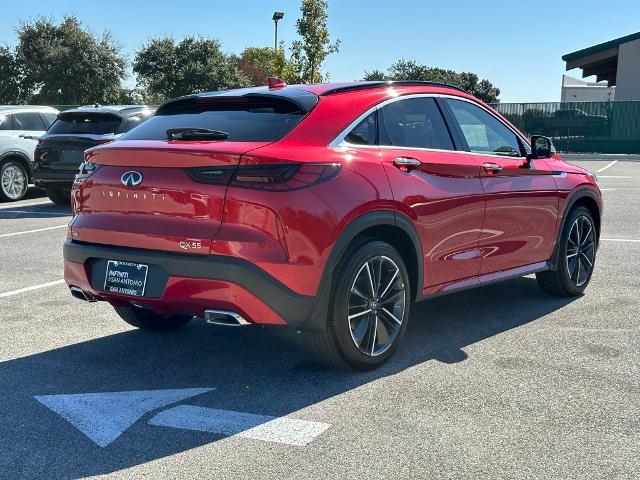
[{"x": 486, "y": 279}]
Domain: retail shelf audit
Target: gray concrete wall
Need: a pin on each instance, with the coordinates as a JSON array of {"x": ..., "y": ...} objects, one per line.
[{"x": 628, "y": 76}]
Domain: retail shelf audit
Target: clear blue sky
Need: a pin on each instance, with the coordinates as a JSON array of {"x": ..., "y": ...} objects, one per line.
[{"x": 516, "y": 45}]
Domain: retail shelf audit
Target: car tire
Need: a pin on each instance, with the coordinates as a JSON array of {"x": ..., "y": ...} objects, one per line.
[
  {"x": 148, "y": 320},
  {"x": 14, "y": 181},
  {"x": 59, "y": 197},
  {"x": 371, "y": 277},
  {"x": 576, "y": 258}
]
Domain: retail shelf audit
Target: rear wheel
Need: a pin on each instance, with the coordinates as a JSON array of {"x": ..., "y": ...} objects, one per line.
[
  {"x": 59, "y": 196},
  {"x": 13, "y": 181},
  {"x": 369, "y": 308},
  {"x": 576, "y": 258},
  {"x": 148, "y": 320}
]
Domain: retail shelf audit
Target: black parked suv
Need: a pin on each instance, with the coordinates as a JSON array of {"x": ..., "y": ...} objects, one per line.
[{"x": 61, "y": 150}]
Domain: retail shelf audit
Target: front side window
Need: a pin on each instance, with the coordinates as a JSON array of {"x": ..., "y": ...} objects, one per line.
[
  {"x": 28, "y": 121},
  {"x": 483, "y": 132},
  {"x": 414, "y": 122}
]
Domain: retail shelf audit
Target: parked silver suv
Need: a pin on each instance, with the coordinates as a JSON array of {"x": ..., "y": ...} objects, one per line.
[{"x": 20, "y": 128}]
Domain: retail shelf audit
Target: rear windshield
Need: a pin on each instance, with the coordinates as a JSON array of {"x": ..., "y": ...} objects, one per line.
[
  {"x": 88, "y": 123},
  {"x": 245, "y": 119}
]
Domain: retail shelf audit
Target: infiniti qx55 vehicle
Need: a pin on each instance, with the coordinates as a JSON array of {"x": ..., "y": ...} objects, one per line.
[
  {"x": 328, "y": 208},
  {"x": 61, "y": 150}
]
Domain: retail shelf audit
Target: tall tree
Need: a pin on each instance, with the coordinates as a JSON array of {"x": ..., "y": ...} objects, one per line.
[
  {"x": 167, "y": 69},
  {"x": 258, "y": 63},
  {"x": 9, "y": 77},
  {"x": 309, "y": 53},
  {"x": 67, "y": 64},
  {"x": 411, "y": 70}
]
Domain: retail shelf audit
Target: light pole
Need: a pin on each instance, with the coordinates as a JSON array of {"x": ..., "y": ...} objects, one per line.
[{"x": 276, "y": 16}]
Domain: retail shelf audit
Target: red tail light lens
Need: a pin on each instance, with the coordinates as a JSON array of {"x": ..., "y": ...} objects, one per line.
[{"x": 275, "y": 177}]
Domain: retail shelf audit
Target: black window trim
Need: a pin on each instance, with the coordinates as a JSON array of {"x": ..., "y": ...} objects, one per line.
[{"x": 340, "y": 140}]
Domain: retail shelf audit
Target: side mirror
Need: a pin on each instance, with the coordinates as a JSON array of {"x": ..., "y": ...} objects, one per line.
[{"x": 541, "y": 147}]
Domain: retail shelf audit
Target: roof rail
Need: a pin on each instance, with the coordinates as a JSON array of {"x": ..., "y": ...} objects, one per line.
[{"x": 392, "y": 83}]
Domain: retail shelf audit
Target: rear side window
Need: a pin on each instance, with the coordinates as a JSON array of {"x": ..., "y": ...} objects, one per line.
[
  {"x": 5, "y": 122},
  {"x": 133, "y": 122},
  {"x": 483, "y": 132},
  {"x": 28, "y": 121},
  {"x": 86, "y": 123},
  {"x": 245, "y": 119},
  {"x": 366, "y": 132},
  {"x": 414, "y": 122},
  {"x": 48, "y": 118}
]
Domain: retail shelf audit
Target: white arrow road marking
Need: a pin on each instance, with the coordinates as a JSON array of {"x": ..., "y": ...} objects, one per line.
[
  {"x": 285, "y": 430},
  {"x": 103, "y": 417}
]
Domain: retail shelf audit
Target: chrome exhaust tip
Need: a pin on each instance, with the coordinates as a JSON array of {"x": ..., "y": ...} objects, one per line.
[
  {"x": 225, "y": 318},
  {"x": 80, "y": 295}
]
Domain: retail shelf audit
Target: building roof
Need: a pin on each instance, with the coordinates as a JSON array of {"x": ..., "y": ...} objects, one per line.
[
  {"x": 600, "y": 60},
  {"x": 600, "y": 47}
]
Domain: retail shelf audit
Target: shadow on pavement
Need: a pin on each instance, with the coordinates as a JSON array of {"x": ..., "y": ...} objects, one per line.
[{"x": 254, "y": 370}]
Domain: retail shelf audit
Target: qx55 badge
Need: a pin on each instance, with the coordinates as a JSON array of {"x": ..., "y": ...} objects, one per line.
[{"x": 189, "y": 245}]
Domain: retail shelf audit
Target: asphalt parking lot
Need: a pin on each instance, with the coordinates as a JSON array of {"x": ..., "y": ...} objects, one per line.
[{"x": 500, "y": 382}]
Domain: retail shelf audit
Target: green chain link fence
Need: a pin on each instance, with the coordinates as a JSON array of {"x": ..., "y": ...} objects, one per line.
[{"x": 590, "y": 127}]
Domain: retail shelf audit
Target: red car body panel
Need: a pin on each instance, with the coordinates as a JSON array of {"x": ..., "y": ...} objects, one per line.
[{"x": 471, "y": 226}]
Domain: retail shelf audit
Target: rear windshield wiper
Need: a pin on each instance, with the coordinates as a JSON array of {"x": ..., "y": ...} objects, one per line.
[{"x": 196, "y": 134}]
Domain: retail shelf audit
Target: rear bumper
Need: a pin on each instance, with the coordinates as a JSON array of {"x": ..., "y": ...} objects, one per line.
[
  {"x": 190, "y": 284},
  {"x": 53, "y": 179}
]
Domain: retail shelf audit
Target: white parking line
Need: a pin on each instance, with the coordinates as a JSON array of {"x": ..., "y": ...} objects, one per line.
[
  {"x": 31, "y": 231},
  {"x": 607, "y": 166},
  {"x": 631, "y": 240},
  {"x": 32, "y": 287},
  {"x": 68, "y": 214},
  {"x": 614, "y": 176},
  {"x": 44, "y": 202},
  {"x": 289, "y": 431}
]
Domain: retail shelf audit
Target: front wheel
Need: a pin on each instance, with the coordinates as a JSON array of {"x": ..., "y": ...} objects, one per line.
[
  {"x": 13, "y": 181},
  {"x": 577, "y": 256},
  {"x": 148, "y": 320},
  {"x": 369, "y": 308}
]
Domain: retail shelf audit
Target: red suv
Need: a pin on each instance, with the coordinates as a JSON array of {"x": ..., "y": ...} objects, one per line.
[{"x": 329, "y": 208}]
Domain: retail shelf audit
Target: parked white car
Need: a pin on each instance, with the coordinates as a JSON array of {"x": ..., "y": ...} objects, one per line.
[{"x": 20, "y": 128}]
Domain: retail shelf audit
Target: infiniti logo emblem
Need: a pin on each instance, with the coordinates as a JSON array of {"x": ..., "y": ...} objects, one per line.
[{"x": 131, "y": 178}]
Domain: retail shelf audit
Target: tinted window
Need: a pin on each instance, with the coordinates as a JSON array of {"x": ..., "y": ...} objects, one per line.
[
  {"x": 365, "y": 132},
  {"x": 48, "y": 118},
  {"x": 28, "y": 121},
  {"x": 133, "y": 122},
  {"x": 483, "y": 132},
  {"x": 414, "y": 122},
  {"x": 5, "y": 122},
  {"x": 245, "y": 119},
  {"x": 87, "y": 123}
]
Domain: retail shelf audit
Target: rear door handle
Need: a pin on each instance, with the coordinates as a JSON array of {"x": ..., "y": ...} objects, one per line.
[
  {"x": 491, "y": 168},
  {"x": 406, "y": 164}
]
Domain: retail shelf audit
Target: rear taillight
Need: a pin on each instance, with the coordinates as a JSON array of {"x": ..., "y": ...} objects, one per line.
[
  {"x": 273, "y": 177},
  {"x": 87, "y": 168}
]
